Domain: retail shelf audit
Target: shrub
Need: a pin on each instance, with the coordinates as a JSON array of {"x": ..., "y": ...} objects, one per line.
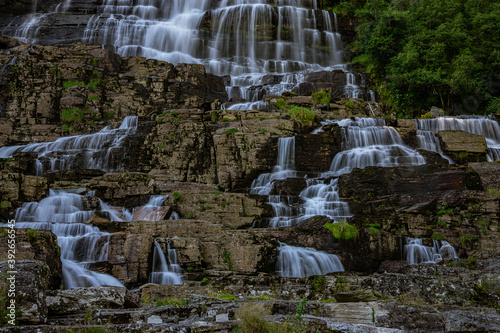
[
  {"x": 73, "y": 115},
  {"x": 342, "y": 230},
  {"x": 230, "y": 131},
  {"x": 178, "y": 198},
  {"x": 280, "y": 104},
  {"x": 321, "y": 97},
  {"x": 305, "y": 116},
  {"x": 69, "y": 84}
]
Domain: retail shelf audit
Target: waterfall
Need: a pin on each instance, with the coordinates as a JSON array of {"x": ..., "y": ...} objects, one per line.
[
  {"x": 368, "y": 145},
  {"x": 91, "y": 151},
  {"x": 485, "y": 126},
  {"x": 299, "y": 262},
  {"x": 166, "y": 270},
  {"x": 249, "y": 40},
  {"x": 417, "y": 253},
  {"x": 81, "y": 244},
  {"x": 284, "y": 168},
  {"x": 152, "y": 211}
]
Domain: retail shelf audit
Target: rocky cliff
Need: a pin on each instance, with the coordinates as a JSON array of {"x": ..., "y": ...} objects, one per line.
[{"x": 205, "y": 158}]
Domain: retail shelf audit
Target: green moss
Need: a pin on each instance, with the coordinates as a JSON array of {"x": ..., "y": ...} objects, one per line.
[
  {"x": 172, "y": 302},
  {"x": 69, "y": 84},
  {"x": 304, "y": 115},
  {"x": 321, "y": 97},
  {"x": 204, "y": 282},
  {"x": 227, "y": 259},
  {"x": 281, "y": 104},
  {"x": 349, "y": 105},
  {"x": 374, "y": 232},
  {"x": 438, "y": 236},
  {"x": 72, "y": 115},
  {"x": 227, "y": 297},
  {"x": 109, "y": 114},
  {"x": 178, "y": 198},
  {"x": 342, "y": 230},
  {"x": 230, "y": 131},
  {"x": 32, "y": 235},
  {"x": 93, "y": 97}
]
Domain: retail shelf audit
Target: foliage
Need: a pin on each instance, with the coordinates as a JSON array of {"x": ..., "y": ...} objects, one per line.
[
  {"x": 72, "y": 115},
  {"x": 342, "y": 230},
  {"x": 172, "y": 301},
  {"x": 178, "y": 198},
  {"x": 32, "y": 235},
  {"x": 321, "y": 97},
  {"x": 69, "y": 84},
  {"x": 230, "y": 131},
  {"x": 280, "y": 104},
  {"x": 304, "y": 115},
  {"x": 430, "y": 52}
]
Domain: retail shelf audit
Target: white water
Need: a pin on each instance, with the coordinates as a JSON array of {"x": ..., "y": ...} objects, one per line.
[
  {"x": 91, "y": 151},
  {"x": 366, "y": 142},
  {"x": 166, "y": 270},
  {"x": 246, "y": 39},
  {"x": 484, "y": 126},
  {"x": 153, "y": 210},
  {"x": 417, "y": 253},
  {"x": 284, "y": 168},
  {"x": 81, "y": 244},
  {"x": 299, "y": 262}
]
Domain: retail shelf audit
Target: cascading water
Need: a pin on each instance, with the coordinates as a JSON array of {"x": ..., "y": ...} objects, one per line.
[
  {"x": 485, "y": 126},
  {"x": 249, "y": 40},
  {"x": 417, "y": 253},
  {"x": 81, "y": 244},
  {"x": 284, "y": 168},
  {"x": 299, "y": 262},
  {"x": 91, "y": 151},
  {"x": 166, "y": 270}
]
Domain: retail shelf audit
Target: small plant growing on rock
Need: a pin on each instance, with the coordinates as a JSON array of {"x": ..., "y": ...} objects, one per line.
[
  {"x": 178, "y": 198},
  {"x": 72, "y": 115},
  {"x": 304, "y": 115},
  {"x": 230, "y": 131},
  {"x": 280, "y": 104},
  {"x": 32, "y": 235},
  {"x": 342, "y": 230},
  {"x": 321, "y": 97}
]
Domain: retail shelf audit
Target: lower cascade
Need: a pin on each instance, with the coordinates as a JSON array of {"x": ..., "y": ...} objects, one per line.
[
  {"x": 166, "y": 269},
  {"x": 417, "y": 253},
  {"x": 299, "y": 262},
  {"x": 81, "y": 244},
  {"x": 90, "y": 151}
]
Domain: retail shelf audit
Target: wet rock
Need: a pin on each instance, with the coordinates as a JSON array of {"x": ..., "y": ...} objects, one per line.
[
  {"x": 467, "y": 321},
  {"x": 393, "y": 266},
  {"x": 489, "y": 174},
  {"x": 355, "y": 296},
  {"x": 463, "y": 146},
  {"x": 78, "y": 300},
  {"x": 34, "y": 188},
  {"x": 30, "y": 283},
  {"x": 39, "y": 245}
]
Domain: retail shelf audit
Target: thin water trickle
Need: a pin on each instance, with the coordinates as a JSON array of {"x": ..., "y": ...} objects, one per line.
[
  {"x": 299, "y": 262},
  {"x": 166, "y": 269},
  {"x": 416, "y": 253}
]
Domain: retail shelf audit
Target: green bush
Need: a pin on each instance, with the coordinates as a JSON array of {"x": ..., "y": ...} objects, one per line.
[
  {"x": 321, "y": 97},
  {"x": 73, "y": 115},
  {"x": 230, "y": 131},
  {"x": 342, "y": 230},
  {"x": 304, "y": 115},
  {"x": 69, "y": 84},
  {"x": 280, "y": 104},
  {"x": 178, "y": 198}
]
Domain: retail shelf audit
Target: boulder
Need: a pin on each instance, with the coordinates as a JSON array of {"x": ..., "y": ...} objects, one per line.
[
  {"x": 461, "y": 141},
  {"x": 78, "y": 300},
  {"x": 468, "y": 321},
  {"x": 39, "y": 245},
  {"x": 30, "y": 283}
]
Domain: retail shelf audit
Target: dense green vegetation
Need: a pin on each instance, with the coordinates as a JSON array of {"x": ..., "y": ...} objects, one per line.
[{"x": 421, "y": 53}]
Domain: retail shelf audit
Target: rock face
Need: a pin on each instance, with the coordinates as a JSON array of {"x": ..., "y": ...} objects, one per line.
[
  {"x": 31, "y": 283},
  {"x": 39, "y": 82},
  {"x": 463, "y": 146},
  {"x": 39, "y": 245}
]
